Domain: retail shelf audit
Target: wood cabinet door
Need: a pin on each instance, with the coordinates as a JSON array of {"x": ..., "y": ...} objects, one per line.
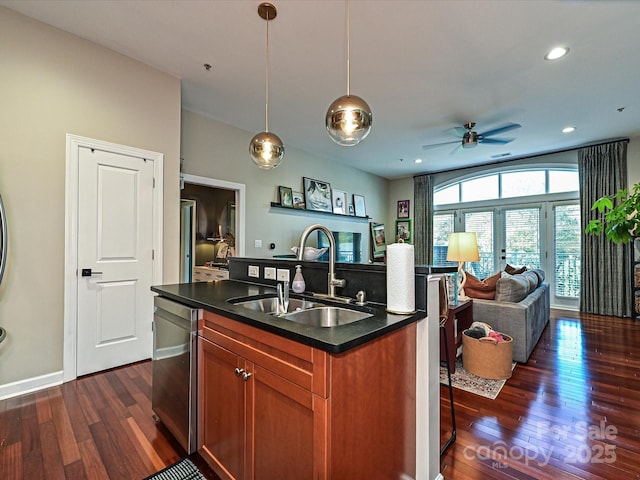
[
  {"x": 222, "y": 410},
  {"x": 280, "y": 419}
]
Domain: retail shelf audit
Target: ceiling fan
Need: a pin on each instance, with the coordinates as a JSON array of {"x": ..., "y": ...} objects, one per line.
[{"x": 471, "y": 139}]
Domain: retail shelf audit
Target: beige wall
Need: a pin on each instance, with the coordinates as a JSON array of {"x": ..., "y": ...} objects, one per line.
[
  {"x": 53, "y": 83},
  {"x": 216, "y": 150}
]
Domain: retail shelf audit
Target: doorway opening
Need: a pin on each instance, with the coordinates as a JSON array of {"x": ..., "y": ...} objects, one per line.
[{"x": 212, "y": 222}]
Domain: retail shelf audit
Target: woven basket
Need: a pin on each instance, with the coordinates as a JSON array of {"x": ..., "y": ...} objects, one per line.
[{"x": 487, "y": 357}]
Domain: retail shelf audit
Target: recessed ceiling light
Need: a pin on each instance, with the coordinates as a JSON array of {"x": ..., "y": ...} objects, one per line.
[
  {"x": 568, "y": 129},
  {"x": 556, "y": 53},
  {"x": 417, "y": 160}
]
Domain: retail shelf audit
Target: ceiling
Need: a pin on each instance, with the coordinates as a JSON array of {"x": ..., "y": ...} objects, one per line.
[{"x": 424, "y": 67}]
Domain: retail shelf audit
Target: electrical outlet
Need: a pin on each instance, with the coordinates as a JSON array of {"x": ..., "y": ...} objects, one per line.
[
  {"x": 257, "y": 243},
  {"x": 254, "y": 271},
  {"x": 283, "y": 274},
  {"x": 269, "y": 273}
]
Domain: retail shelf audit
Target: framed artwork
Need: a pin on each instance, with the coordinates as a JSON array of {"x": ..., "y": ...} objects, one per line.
[
  {"x": 286, "y": 196},
  {"x": 358, "y": 206},
  {"x": 339, "y": 202},
  {"x": 378, "y": 240},
  {"x": 298, "y": 200},
  {"x": 351, "y": 209},
  {"x": 403, "y": 231},
  {"x": 403, "y": 208},
  {"x": 317, "y": 195}
]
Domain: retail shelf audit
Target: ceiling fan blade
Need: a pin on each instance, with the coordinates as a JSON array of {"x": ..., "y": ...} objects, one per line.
[
  {"x": 505, "y": 128},
  {"x": 459, "y": 131},
  {"x": 496, "y": 141},
  {"x": 456, "y": 150},
  {"x": 434, "y": 145}
]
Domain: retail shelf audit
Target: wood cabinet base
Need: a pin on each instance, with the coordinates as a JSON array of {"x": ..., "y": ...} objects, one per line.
[{"x": 273, "y": 408}]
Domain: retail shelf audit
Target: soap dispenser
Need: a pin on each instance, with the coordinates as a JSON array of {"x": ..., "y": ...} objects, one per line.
[{"x": 298, "y": 284}]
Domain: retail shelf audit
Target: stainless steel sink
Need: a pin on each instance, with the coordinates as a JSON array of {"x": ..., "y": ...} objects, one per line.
[
  {"x": 326, "y": 316},
  {"x": 270, "y": 304}
]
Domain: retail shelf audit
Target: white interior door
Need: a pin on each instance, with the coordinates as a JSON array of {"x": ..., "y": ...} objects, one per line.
[{"x": 115, "y": 241}]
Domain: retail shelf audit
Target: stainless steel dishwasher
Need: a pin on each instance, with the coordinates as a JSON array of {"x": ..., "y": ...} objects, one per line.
[{"x": 174, "y": 378}]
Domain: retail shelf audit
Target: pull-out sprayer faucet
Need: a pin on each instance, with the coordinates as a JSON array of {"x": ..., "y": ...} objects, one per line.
[{"x": 333, "y": 282}]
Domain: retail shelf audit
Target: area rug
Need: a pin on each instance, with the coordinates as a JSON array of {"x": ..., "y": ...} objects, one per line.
[
  {"x": 469, "y": 382},
  {"x": 182, "y": 470}
]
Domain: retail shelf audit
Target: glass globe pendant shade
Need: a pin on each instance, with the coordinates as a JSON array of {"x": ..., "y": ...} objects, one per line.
[
  {"x": 348, "y": 120},
  {"x": 266, "y": 150}
]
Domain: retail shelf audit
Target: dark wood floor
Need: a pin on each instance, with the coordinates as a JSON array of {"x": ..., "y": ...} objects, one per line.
[
  {"x": 97, "y": 427},
  {"x": 572, "y": 412}
]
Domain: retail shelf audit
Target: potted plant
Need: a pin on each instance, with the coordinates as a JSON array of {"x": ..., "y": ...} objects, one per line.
[{"x": 619, "y": 215}]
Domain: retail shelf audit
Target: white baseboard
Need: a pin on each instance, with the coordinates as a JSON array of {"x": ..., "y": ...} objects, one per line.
[{"x": 30, "y": 385}]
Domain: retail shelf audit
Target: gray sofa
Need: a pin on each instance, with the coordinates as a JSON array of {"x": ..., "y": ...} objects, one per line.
[{"x": 523, "y": 320}]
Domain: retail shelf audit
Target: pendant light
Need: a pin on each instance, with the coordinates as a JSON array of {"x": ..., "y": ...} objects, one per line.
[
  {"x": 266, "y": 149},
  {"x": 348, "y": 118}
]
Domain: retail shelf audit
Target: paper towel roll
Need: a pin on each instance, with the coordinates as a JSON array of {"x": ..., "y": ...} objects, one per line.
[{"x": 401, "y": 280}]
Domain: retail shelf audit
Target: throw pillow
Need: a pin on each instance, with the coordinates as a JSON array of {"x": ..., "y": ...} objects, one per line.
[
  {"x": 484, "y": 289},
  {"x": 532, "y": 278},
  {"x": 512, "y": 288},
  {"x": 513, "y": 270},
  {"x": 540, "y": 273}
]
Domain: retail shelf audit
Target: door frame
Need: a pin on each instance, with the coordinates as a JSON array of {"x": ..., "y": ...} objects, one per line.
[
  {"x": 241, "y": 201},
  {"x": 74, "y": 143}
]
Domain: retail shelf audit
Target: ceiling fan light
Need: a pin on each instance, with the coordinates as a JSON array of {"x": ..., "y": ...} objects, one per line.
[
  {"x": 266, "y": 150},
  {"x": 470, "y": 140},
  {"x": 348, "y": 120}
]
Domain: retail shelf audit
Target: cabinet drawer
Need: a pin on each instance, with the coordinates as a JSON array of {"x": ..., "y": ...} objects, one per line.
[
  {"x": 205, "y": 274},
  {"x": 300, "y": 364}
]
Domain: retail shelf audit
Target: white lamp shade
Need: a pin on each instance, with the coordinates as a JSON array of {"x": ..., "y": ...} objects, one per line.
[{"x": 463, "y": 247}]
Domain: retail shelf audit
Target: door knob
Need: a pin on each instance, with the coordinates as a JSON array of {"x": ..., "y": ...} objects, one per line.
[{"x": 86, "y": 272}]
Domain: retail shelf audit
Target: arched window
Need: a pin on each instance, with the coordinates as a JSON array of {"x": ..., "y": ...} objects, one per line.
[{"x": 522, "y": 216}]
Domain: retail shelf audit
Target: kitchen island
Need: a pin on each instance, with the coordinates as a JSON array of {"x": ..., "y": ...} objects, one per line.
[{"x": 278, "y": 399}]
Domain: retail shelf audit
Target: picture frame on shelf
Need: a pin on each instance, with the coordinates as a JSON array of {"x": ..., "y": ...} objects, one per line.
[
  {"x": 286, "y": 196},
  {"x": 378, "y": 240},
  {"x": 359, "y": 207},
  {"x": 298, "y": 199},
  {"x": 403, "y": 231},
  {"x": 317, "y": 194},
  {"x": 339, "y": 202},
  {"x": 403, "y": 208},
  {"x": 351, "y": 212}
]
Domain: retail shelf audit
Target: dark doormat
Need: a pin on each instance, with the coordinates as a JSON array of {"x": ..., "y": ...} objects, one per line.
[{"x": 182, "y": 470}]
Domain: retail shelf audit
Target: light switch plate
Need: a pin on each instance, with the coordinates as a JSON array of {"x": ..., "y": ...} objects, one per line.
[
  {"x": 283, "y": 275},
  {"x": 269, "y": 273},
  {"x": 254, "y": 271}
]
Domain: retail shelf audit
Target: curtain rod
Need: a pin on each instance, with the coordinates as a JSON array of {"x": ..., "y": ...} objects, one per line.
[{"x": 513, "y": 159}]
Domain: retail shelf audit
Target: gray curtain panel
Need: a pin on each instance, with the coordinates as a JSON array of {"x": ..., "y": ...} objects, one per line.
[
  {"x": 606, "y": 280},
  {"x": 423, "y": 219}
]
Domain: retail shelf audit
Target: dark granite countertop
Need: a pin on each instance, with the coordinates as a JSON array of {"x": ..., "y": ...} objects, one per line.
[{"x": 214, "y": 296}]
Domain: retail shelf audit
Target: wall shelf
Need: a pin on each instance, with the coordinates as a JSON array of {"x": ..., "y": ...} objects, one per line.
[{"x": 304, "y": 211}]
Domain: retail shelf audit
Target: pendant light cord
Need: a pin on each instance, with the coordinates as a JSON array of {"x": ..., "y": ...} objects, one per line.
[
  {"x": 266, "y": 93},
  {"x": 348, "y": 47}
]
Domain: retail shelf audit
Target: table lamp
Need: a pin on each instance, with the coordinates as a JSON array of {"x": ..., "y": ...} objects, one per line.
[{"x": 463, "y": 247}]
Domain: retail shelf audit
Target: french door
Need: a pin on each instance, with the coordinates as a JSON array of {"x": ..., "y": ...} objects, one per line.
[{"x": 544, "y": 235}]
